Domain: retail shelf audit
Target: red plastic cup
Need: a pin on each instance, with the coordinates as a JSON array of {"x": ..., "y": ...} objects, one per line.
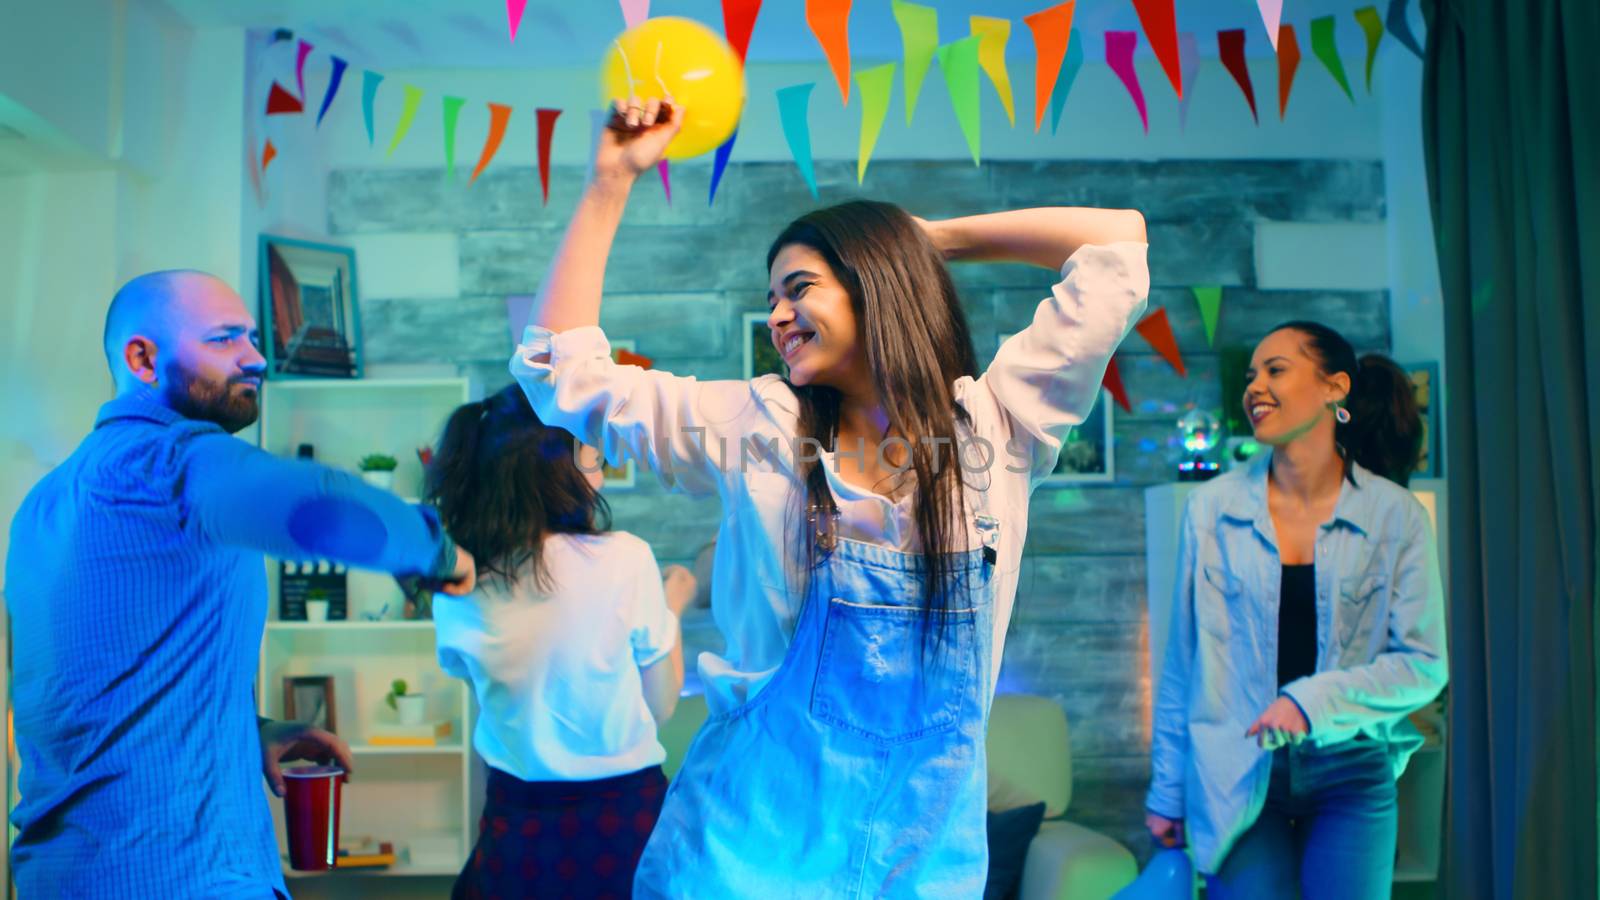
[{"x": 311, "y": 816}]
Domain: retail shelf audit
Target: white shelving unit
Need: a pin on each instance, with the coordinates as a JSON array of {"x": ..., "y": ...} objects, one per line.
[
  {"x": 1421, "y": 787},
  {"x": 425, "y": 800}
]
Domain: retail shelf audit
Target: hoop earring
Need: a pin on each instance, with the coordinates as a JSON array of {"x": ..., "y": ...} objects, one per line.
[{"x": 1342, "y": 414}]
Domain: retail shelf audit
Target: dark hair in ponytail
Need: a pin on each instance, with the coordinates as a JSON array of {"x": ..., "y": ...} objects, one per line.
[
  {"x": 1384, "y": 433},
  {"x": 502, "y": 480}
]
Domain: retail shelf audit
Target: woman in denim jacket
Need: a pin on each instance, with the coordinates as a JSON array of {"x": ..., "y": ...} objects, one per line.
[{"x": 1308, "y": 622}]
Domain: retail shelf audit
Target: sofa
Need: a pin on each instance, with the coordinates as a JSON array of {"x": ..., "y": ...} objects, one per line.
[{"x": 1030, "y": 761}]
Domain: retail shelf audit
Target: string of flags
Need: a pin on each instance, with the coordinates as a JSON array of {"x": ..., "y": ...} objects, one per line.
[
  {"x": 966, "y": 64},
  {"x": 1156, "y": 329}
]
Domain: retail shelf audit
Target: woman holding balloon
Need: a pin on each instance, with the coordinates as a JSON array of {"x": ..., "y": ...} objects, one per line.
[{"x": 875, "y": 505}]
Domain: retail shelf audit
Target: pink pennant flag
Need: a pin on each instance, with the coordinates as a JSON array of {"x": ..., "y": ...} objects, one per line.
[
  {"x": 1119, "y": 56},
  {"x": 1271, "y": 15},
  {"x": 635, "y": 11},
  {"x": 514, "y": 9},
  {"x": 300, "y": 69},
  {"x": 666, "y": 179}
]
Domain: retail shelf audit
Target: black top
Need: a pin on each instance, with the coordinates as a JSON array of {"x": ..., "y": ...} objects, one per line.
[{"x": 1297, "y": 624}]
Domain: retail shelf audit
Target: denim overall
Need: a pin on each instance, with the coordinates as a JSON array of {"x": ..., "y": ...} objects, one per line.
[{"x": 856, "y": 771}]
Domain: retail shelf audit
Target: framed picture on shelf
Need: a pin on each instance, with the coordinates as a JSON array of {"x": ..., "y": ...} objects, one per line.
[
  {"x": 1425, "y": 387},
  {"x": 309, "y": 698},
  {"x": 760, "y": 357},
  {"x": 1088, "y": 453},
  {"x": 310, "y": 326}
]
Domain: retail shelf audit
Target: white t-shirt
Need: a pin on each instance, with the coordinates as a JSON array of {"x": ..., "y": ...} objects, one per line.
[
  {"x": 557, "y": 674},
  {"x": 713, "y": 437}
]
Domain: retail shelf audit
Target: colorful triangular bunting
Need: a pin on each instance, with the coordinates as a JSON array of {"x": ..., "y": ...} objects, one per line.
[
  {"x": 1400, "y": 27},
  {"x": 829, "y": 20},
  {"x": 1052, "y": 32},
  {"x": 546, "y": 119},
  {"x": 1230, "y": 47},
  {"x": 499, "y": 115},
  {"x": 1160, "y": 25},
  {"x": 919, "y": 35},
  {"x": 720, "y": 164},
  {"x": 993, "y": 34},
  {"x": 1288, "y": 62},
  {"x": 876, "y": 84},
  {"x": 738, "y": 21},
  {"x": 1112, "y": 382},
  {"x": 1189, "y": 59},
  {"x": 794, "y": 103},
  {"x": 369, "y": 90},
  {"x": 408, "y": 112},
  {"x": 959, "y": 62},
  {"x": 1069, "y": 74},
  {"x": 1372, "y": 27},
  {"x": 452, "y": 112},
  {"x": 1157, "y": 330},
  {"x": 514, "y": 10},
  {"x": 1326, "y": 47},
  {"x": 334, "y": 80},
  {"x": 281, "y": 102},
  {"x": 1271, "y": 16},
  {"x": 1210, "y": 301},
  {"x": 1119, "y": 56}
]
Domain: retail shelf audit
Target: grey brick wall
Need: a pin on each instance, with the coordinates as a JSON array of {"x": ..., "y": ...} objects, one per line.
[{"x": 680, "y": 276}]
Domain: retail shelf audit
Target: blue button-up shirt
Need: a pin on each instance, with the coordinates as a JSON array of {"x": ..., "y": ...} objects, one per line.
[
  {"x": 137, "y": 593},
  {"x": 1380, "y": 644}
]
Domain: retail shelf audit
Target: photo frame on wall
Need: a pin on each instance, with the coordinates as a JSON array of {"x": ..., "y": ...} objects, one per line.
[
  {"x": 760, "y": 357},
  {"x": 310, "y": 324},
  {"x": 1425, "y": 388},
  {"x": 1088, "y": 454},
  {"x": 309, "y": 698}
]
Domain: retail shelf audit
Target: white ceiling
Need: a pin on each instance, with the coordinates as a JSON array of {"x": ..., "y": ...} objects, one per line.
[{"x": 473, "y": 33}]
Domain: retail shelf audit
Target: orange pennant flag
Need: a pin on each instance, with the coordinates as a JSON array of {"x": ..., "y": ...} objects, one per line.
[
  {"x": 268, "y": 154},
  {"x": 830, "y": 22},
  {"x": 499, "y": 114},
  {"x": 1112, "y": 382},
  {"x": 1155, "y": 329},
  {"x": 1288, "y": 62},
  {"x": 1051, "y": 28}
]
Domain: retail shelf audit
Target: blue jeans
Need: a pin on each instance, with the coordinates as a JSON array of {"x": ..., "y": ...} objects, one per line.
[{"x": 1328, "y": 828}]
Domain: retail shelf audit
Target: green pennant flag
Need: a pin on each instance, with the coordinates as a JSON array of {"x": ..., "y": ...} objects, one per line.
[
  {"x": 407, "y": 113},
  {"x": 1210, "y": 300},
  {"x": 919, "y": 33},
  {"x": 959, "y": 60},
  {"x": 1326, "y": 47},
  {"x": 452, "y": 111},
  {"x": 1372, "y": 26},
  {"x": 876, "y": 84}
]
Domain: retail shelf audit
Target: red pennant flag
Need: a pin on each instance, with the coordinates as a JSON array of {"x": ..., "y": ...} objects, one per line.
[
  {"x": 1230, "y": 46},
  {"x": 499, "y": 114},
  {"x": 1155, "y": 329},
  {"x": 281, "y": 101},
  {"x": 547, "y": 129},
  {"x": 738, "y": 20},
  {"x": 1113, "y": 383},
  {"x": 627, "y": 357},
  {"x": 1161, "y": 30},
  {"x": 1288, "y": 62},
  {"x": 830, "y": 22},
  {"x": 268, "y": 154}
]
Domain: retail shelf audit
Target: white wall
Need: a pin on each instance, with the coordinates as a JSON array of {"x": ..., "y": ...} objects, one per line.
[{"x": 154, "y": 113}]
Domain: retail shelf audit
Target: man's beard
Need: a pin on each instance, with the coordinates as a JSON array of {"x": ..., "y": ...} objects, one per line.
[{"x": 210, "y": 401}]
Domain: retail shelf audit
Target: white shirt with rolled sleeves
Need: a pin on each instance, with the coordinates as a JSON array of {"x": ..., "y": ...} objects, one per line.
[
  {"x": 557, "y": 672},
  {"x": 737, "y": 439}
]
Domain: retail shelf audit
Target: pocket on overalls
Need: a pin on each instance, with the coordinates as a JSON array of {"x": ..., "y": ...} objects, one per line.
[{"x": 877, "y": 678}]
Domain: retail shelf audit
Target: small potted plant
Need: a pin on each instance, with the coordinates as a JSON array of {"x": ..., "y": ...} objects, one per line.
[
  {"x": 377, "y": 469},
  {"x": 409, "y": 706}
]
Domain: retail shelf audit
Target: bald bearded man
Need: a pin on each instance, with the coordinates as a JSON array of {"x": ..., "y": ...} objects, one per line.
[{"x": 137, "y": 593}]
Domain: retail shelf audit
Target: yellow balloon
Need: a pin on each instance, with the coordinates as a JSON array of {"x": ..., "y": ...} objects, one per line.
[{"x": 680, "y": 58}]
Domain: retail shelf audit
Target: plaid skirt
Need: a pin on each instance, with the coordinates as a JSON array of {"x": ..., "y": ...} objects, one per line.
[{"x": 553, "y": 840}]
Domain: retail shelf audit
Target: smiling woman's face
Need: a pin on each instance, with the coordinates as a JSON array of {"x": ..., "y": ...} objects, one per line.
[
  {"x": 813, "y": 321},
  {"x": 1286, "y": 393}
]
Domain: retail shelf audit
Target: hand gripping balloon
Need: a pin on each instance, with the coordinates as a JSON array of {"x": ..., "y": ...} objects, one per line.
[{"x": 671, "y": 57}]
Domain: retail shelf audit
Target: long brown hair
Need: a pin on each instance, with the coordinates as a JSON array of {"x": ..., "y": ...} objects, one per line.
[
  {"x": 917, "y": 345},
  {"x": 503, "y": 481}
]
